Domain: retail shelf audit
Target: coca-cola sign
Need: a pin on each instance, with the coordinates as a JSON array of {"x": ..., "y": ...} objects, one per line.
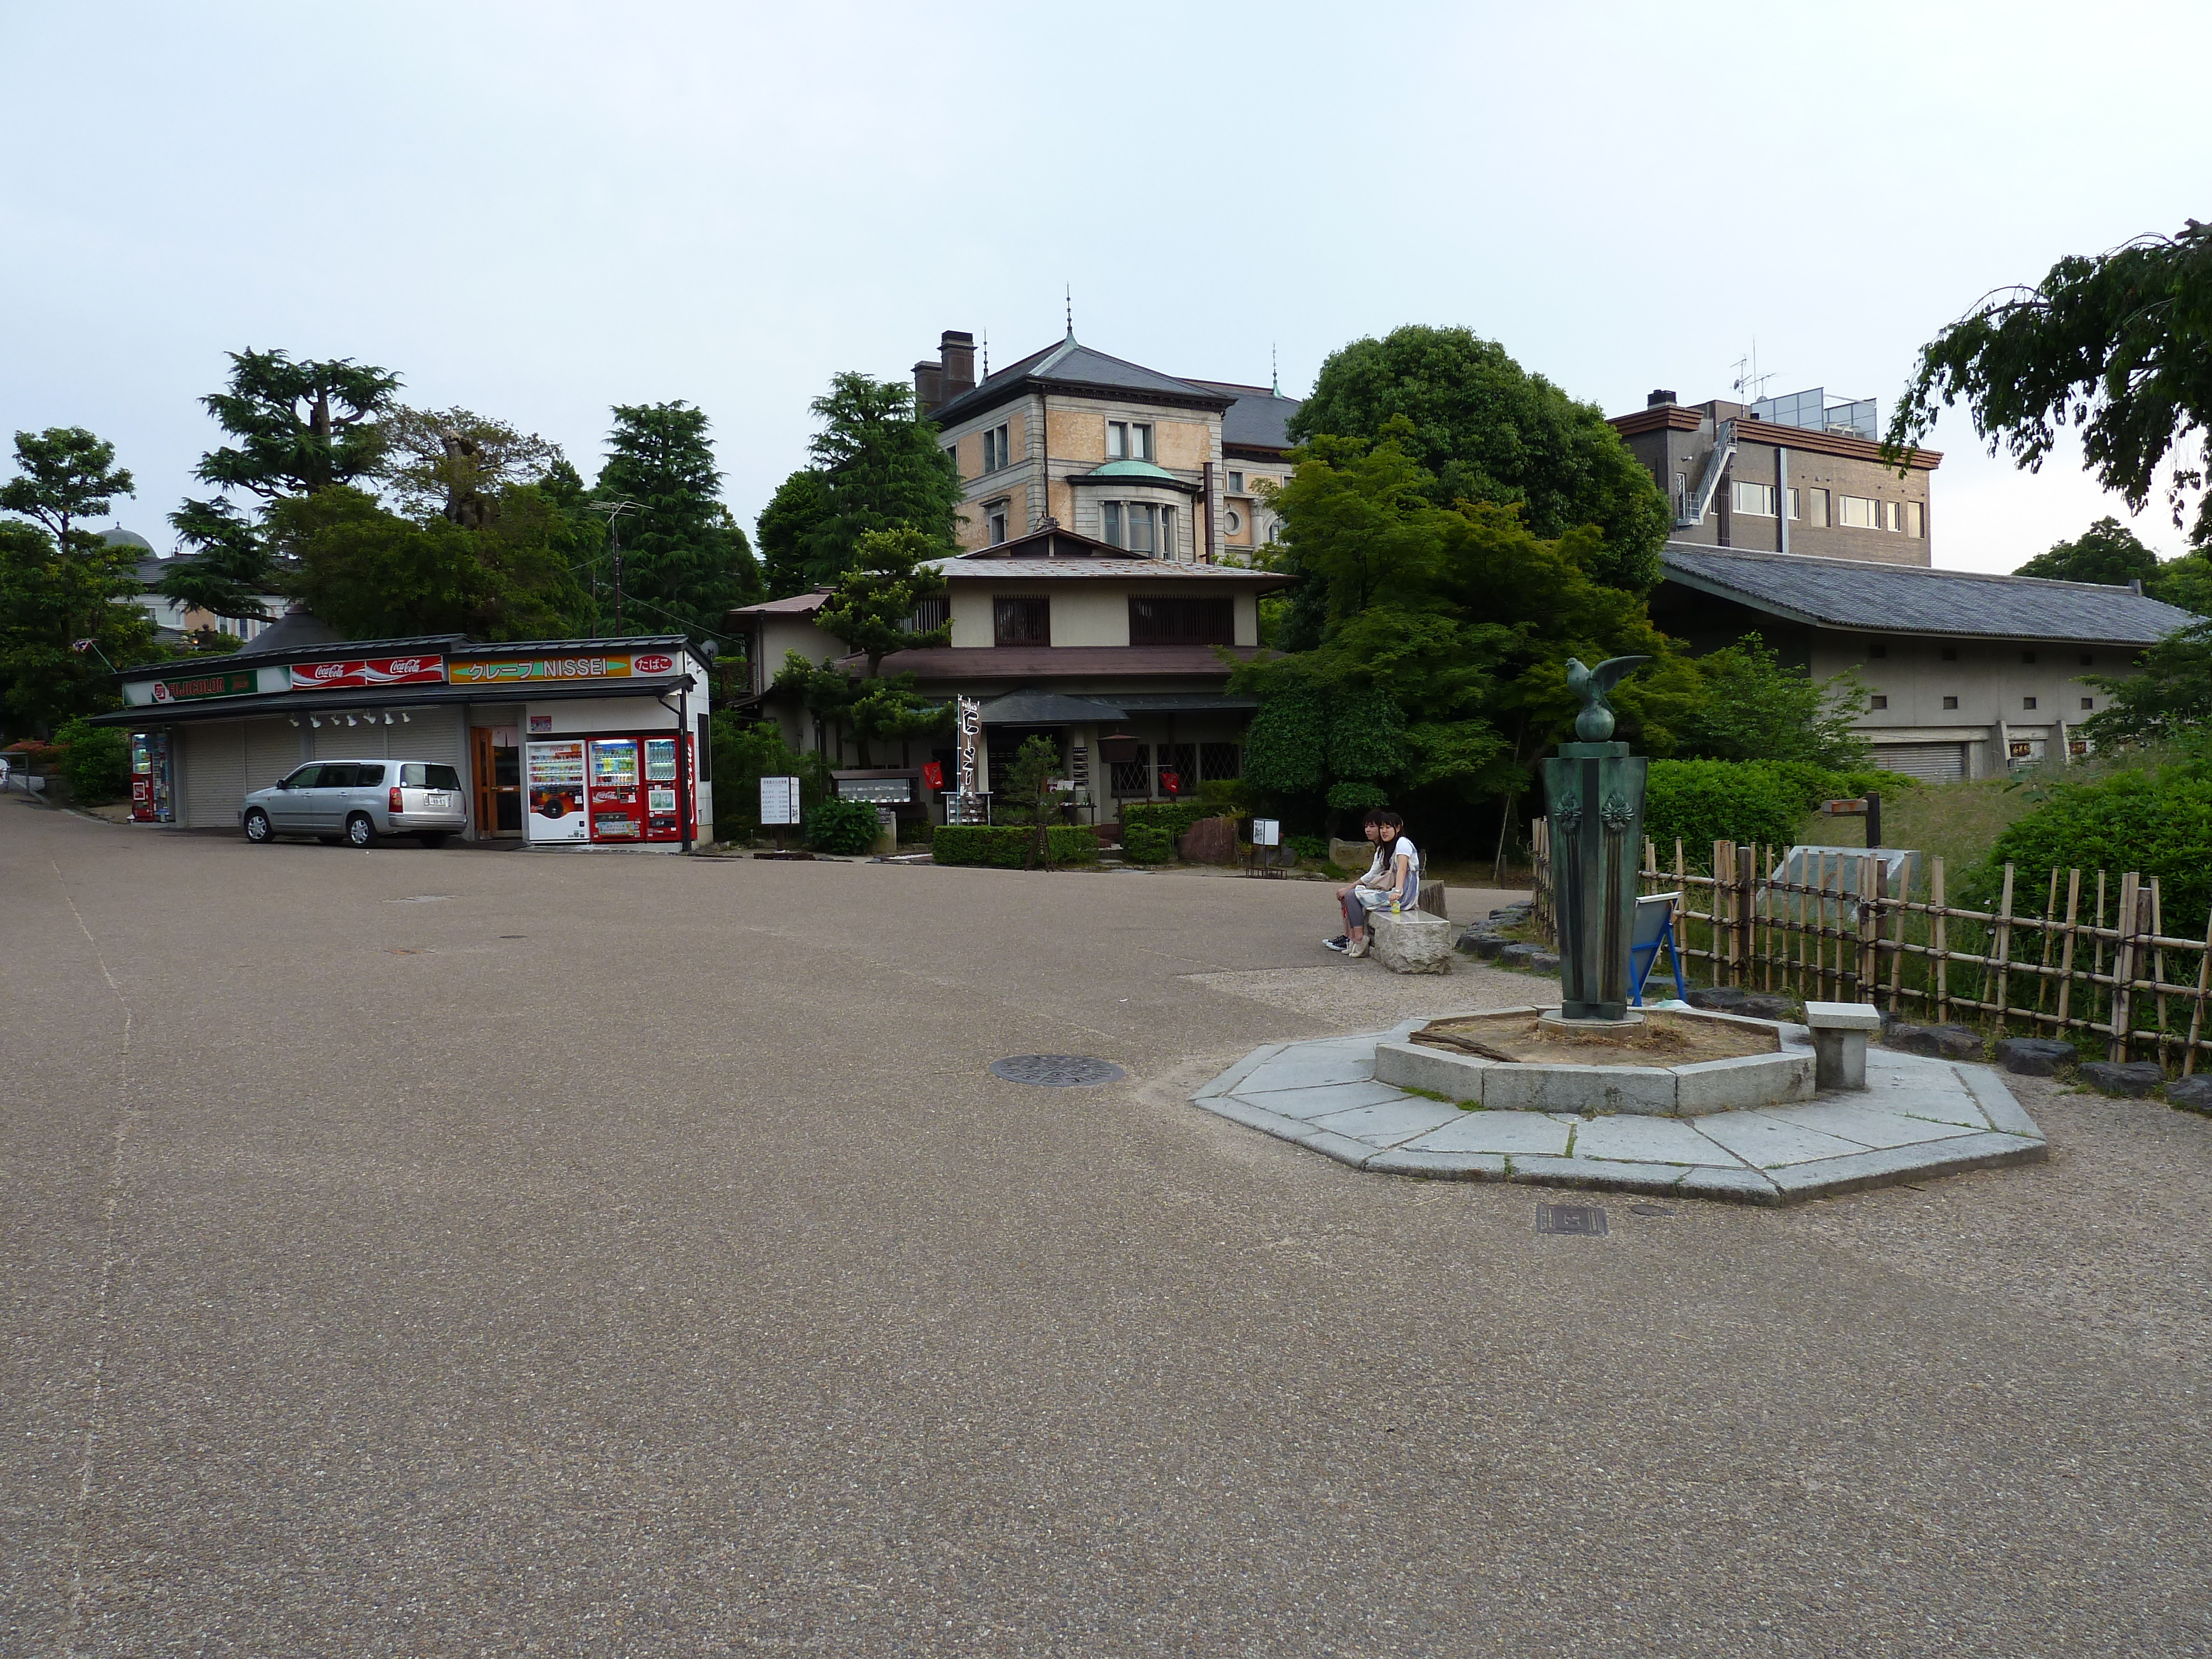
[{"x": 363, "y": 672}]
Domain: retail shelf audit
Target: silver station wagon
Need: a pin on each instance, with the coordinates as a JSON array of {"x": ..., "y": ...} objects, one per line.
[{"x": 359, "y": 801}]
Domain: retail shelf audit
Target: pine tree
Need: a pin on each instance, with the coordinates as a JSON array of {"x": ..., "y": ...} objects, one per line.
[{"x": 684, "y": 562}]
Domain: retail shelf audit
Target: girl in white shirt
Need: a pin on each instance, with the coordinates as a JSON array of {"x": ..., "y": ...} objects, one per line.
[{"x": 1394, "y": 877}]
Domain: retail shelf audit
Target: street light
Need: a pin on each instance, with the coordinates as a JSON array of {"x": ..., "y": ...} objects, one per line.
[{"x": 614, "y": 510}]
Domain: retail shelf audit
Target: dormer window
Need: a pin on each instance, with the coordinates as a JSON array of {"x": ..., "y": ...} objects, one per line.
[{"x": 1128, "y": 441}]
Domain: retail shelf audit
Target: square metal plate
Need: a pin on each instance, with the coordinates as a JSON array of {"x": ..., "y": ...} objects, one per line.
[{"x": 1584, "y": 1220}]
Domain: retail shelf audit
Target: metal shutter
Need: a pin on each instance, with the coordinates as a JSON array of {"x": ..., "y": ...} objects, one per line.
[
  {"x": 211, "y": 780},
  {"x": 1932, "y": 762},
  {"x": 272, "y": 749}
]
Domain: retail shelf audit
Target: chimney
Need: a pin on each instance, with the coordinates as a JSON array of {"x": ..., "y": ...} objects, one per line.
[
  {"x": 928, "y": 386},
  {"x": 1657, "y": 398},
  {"x": 957, "y": 351}
]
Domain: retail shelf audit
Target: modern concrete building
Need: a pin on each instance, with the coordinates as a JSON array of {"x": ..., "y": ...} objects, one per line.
[
  {"x": 1124, "y": 660},
  {"x": 1149, "y": 462},
  {"x": 1785, "y": 475},
  {"x": 1968, "y": 675}
]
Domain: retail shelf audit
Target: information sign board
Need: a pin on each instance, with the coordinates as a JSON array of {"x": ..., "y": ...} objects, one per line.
[
  {"x": 1266, "y": 832},
  {"x": 367, "y": 671},
  {"x": 229, "y": 683},
  {"x": 779, "y": 801}
]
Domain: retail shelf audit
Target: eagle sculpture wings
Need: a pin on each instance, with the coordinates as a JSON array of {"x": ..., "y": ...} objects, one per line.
[{"x": 1594, "y": 723}]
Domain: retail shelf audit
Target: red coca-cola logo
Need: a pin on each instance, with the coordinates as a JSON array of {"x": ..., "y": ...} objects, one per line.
[
  {"x": 328, "y": 671},
  {"x": 405, "y": 666},
  {"x": 655, "y": 663}
]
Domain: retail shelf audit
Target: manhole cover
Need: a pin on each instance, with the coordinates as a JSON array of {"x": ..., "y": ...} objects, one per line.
[
  {"x": 1649, "y": 1209},
  {"x": 1585, "y": 1220},
  {"x": 1056, "y": 1071}
]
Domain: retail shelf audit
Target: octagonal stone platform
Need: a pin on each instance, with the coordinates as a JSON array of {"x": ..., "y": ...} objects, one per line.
[{"x": 1918, "y": 1117}]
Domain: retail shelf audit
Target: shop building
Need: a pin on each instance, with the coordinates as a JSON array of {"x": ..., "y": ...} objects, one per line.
[
  {"x": 1122, "y": 660},
  {"x": 558, "y": 742}
]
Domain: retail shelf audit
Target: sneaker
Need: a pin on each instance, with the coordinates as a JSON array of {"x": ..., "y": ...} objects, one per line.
[
  {"x": 1341, "y": 943},
  {"x": 1358, "y": 947}
]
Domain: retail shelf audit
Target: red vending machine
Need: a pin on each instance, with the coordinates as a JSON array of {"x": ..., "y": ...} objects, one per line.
[
  {"x": 664, "y": 820},
  {"x": 616, "y": 803}
]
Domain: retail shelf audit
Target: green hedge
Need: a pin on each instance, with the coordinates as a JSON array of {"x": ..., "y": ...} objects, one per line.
[
  {"x": 1007, "y": 846},
  {"x": 1764, "y": 802},
  {"x": 1142, "y": 843},
  {"x": 96, "y": 760},
  {"x": 2158, "y": 824}
]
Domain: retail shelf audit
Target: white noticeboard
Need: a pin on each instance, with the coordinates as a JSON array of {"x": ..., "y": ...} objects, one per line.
[
  {"x": 1266, "y": 832},
  {"x": 779, "y": 801}
]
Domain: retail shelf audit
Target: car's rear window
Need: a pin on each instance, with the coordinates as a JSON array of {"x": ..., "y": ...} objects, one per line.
[
  {"x": 367, "y": 777},
  {"x": 422, "y": 775}
]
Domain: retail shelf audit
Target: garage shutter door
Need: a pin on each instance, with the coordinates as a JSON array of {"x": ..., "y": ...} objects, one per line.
[
  {"x": 1935, "y": 762},
  {"x": 272, "y": 749},
  {"x": 212, "y": 775}
]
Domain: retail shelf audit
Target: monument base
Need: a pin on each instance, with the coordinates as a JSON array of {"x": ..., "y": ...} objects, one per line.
[{"x": 1556, "y": 1018}]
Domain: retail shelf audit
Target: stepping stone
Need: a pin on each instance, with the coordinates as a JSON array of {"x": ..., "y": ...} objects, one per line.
[
  {"x": 2035, "y": 1056},
  {"x": 1944, "y": 1041},
  {"x": 2132, "y": 1079},
  {"x": 1475, "y": 942},
  {"x": 1735, "y": 999},
  {"x": 2193, "y": 1093}
]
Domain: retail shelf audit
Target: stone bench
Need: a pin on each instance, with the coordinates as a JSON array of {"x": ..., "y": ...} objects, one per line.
[
  {"x": 1413, "y": 942},
  {"x": 1840, "y": 1030}
]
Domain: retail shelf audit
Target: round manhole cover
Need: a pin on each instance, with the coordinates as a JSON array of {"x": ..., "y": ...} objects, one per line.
[{"x": 1056, "y": 1071}]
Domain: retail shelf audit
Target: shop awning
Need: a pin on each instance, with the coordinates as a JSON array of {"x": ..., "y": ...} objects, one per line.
[{"x": 146, "y": 715}]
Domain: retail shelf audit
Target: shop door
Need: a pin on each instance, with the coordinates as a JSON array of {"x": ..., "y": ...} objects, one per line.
[
  {"x": 498, "y": 774},
  {"x": 616, "y": 802}
]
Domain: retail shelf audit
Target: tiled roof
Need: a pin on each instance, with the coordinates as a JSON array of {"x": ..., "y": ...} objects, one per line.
[
  {"x": 1892, "y": 599},
  {"x": 796, "y": 604},
  {"x": 1119, "y": 570},
  {"x": 1259, "y": 419},
  {"x": 949, "y": 663},
  {"x": 1069, "y": 363}
]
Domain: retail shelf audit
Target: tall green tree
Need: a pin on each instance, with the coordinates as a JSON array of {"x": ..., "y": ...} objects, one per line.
[
  {"x": 2169, "y": 696},
  {"x": 2117, "y": 345},
  {"x": 800, "y": 505},
  {"x": 1485, "y": 429},
  {"x": 873, "y": 607},
  {"x": 2107, "y": 552},
  {"x": 52, "y": 603},
  {"x": 1434, "y": 672},
  {"x": 63, "y": 474},
  {"x": 684, "y": 561},
  {"x": 882, "y": 467},
  {"x": 1753, "y": 708},
  {"x": 371, "y": 573},
  {"x": 297, "y": 426},
  {"x": 454, "y": 463}
]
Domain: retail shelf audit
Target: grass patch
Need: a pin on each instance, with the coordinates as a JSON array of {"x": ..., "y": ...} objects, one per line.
[{"x": 1957, "y": 823}]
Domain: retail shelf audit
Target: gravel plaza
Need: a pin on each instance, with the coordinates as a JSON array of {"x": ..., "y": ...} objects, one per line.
[{"x": 420, "y": 1252}]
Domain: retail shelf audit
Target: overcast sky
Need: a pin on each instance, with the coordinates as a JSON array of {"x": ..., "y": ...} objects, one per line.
[{"x": 535, "y": 211}]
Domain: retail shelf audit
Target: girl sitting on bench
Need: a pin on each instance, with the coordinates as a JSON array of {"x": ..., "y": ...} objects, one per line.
[{"x": 1393, "y": 877}]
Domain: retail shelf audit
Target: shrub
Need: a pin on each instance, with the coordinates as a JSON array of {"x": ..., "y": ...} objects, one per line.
[
  {"x": 1145, "y": 843},
  {"x": 1008, "y": 846},
  {"x": 96, "y": 760},
  {"x": 1309, "y": 847},
  {"x": 1763, "y": 802},
  {"x": 2159, "y": 824},
  {"x": 836, "y": 825},
  {"x": 1170, "y": 817}
]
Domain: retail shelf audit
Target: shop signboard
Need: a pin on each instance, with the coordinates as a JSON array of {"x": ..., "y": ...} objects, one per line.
[
  {"x": 230, "y": 683},
  {"x": 358, "y": 673},
  {"x": 554, "y": 775},
  {"x": 545, "y": 671}
]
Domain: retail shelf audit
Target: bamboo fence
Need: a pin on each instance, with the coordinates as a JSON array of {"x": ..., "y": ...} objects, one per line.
[{"x": 1838, "y": 934}]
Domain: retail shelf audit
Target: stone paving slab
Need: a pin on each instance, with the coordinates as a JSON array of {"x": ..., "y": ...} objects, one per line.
[{"x": 1919, "y": 1117}]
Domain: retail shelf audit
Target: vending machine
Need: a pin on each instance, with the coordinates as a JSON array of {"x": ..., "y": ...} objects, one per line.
[
  {"x": 554, "y": 774},
  {"x": 149, "y": 778},
  {"x": 617, "y": 806},
  {"x": 664, "y": 818}
]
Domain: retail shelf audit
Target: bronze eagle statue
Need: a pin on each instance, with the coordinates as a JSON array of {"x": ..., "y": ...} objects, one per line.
[{"x": 1594, "y": 723}]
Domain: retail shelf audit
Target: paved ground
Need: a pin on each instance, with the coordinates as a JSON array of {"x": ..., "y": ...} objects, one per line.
[
  {"x": 673, "y": 1279},
  {"x": 1916, "y": 1118}
]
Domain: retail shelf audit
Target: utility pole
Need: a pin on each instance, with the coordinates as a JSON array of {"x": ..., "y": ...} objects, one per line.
[{"x": 614, "y": 510}]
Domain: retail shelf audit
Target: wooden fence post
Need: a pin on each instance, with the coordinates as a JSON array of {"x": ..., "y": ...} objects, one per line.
[
  {"x": 1873, "y": 888},
  {"x": 2196, "y": 1013},
  {"x": 2158, "y": 965},
  {"x": 2124, "y": 965},
  {"x": 1723, "y": 914},
  {"x": 2005, "y": 950},
  {"x": 2066, "y": 952},
  {"x": 1746, "y": 911},
  {"x": 1939, "y": 939}
]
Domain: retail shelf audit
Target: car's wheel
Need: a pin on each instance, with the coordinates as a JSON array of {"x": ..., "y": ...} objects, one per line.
[
  {"x": 359, "y": 832},
  {"x": 257, "y": 828},
  {"x": 433, "y": 840}
]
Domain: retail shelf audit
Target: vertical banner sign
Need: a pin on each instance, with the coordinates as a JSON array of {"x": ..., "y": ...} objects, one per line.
[{"x": 967, "y": 719}]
